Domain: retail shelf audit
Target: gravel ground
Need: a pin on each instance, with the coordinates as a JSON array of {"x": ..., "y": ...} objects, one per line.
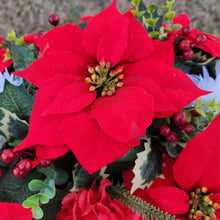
[{"x": 27, "y": 16}]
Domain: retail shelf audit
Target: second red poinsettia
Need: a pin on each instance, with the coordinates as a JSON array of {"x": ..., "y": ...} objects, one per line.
[
  {"x": 191, "y": 188},
  {"x": 100, "y": 88}
]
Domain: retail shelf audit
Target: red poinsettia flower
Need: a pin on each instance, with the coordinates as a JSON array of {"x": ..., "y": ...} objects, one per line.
[
  {"x": 196, "y": 169},
  {"x": 94, "y": 204},
  {"x": 14, "y": 211},
  {"x": 212, "y": 43},
  {"x": 3, "y": 64},
  {"x": 99, "y": 88}
]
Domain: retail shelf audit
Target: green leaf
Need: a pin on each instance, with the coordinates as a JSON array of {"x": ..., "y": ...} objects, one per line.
[
  {"x": 37, "y": 212},
  {"x": 180, "y": 64},
  {"x": 154, "y": 34},
  {"x": 11, "y": 35},
  {"x": 173, "y": 151},
  {"x": 135, "y": 2},
  {"x": 124, "y": 162},
  {"x": 170, "y": 15},
  {"x": 177, "y": 26},
  {"x": 16, "y": 100},
  {"x": 82, "y": 179},
  {"x": 28, "y": 204},
  {"x": 14, "y": 143},
  {"x": 35, "y": 185},
  {"x": 15, "y": 190},
  {"x": 147, "y": 167},
  {"x": 49, "y": 189},
  {"x": 214, "y": 106},
  {"x": 151, "y": 8},
  {"x": 201, "y": 112},
  {"x": 21, "y": 55},
  {"x": 44, "y": 199},
  {"x": 7, "y": 55},
  {"x": 198, "y": 103},
  {"x": 20, "y": 41},
  {"x": 11, "y": 126},
  {"x": 61, "y": 176},
  {"x": 211, "y": 115}
]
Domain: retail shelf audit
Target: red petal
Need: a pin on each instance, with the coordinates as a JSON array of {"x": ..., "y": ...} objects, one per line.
[
  {"x": 70, "y": 98},
  {"x": 44, "y": 152},
  {"x": 63, "y": 63},
  {"x": 91, "y": 146},
  {"x": 112, "y": 45},
  {"x": 140, "y": 45},
  {"x": 177, "y": 86},
  {"x": 126, "y": 114},
  {"x": 182, "y": 19},
  {"x": 162, "y": 104},
  {"x": 98, "y": 26},
  {"x": 64, "y": 38},
  {"x": 198, "y": 164},
  {"x": 170, "y": 199},
  {"x": 14, "y": 211},
  {"x": 164, "y": 51}
]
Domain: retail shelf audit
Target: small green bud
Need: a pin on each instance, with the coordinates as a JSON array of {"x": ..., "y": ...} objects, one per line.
[
  {"x": 151, "y": 8},
  {"x": 170, "y": 15}
]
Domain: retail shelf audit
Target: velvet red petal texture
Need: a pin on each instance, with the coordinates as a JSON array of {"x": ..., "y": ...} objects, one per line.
[
  {"x": 91, "y": 145},
  {"x": 182, "y": 19},
  {"x": 170, "y": 199},
  {"x": 98, "y": 26},
  {"x": 14, "y": 211},
  {"x": 70, "y": 98},
  {"x": 164, "y": 51},
  {"x": 64, "y": 38},
  {"x": 198, "y": 163},
  {"x": 180, "y": 92},
  {"x": 139, "y": 45},
  {"x": 59, "y": 62},
  {"x": 44, "y": 152},
  {"x": 113, "y": 44},
  {"x": 161, "y": 102},
  {"x": 126, "y": 114}
]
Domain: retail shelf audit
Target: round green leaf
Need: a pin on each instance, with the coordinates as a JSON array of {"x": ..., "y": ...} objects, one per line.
[
  {"x": 35, "y": 185},
  {"x": 28, "y": 204},
  {"x": 61, "y": 176},
  {"x": 44, "y": 199},
  {"x": 50, "y": 189},
  {"x": 37, "y": 212}
]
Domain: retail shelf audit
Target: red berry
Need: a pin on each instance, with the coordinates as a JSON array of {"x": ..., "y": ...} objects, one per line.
[
  {"x": 200, "y": 39},
  {"x": 17, "y": 172},
  {"x": 53, "y": 20},
  {"x": 19, "y": 153},
  {"x": 46, "y": 163},
  {"x": 180, "y": 118},
  {"x": 172, "y": 137},
  {"x": 8, "y": 156},
  {"x": 187, "y": 54},
  {"x": 187, "y": 128},
  {"x": 184, "y": 45},
  {"x": 176, "y": 36},
  {"x": 25, "y": 165},
  {"x": 186, "y": 30},
  {"x": 165, "y": 130},
  {"x": 0, "y": 172},
  {"x": 195, "y": 113}
]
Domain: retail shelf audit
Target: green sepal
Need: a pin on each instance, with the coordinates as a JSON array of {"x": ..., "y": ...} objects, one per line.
[
  {"x": 11, "y": 36},
  {"x": 154, "y": 34},
  {"x": 151, "y": 8},
  {"x": 20, "y": 41},
  {"x": 170, "y": 15},
  {"x": 135, "y": 2},
  {"x": 151, "y": 21}
]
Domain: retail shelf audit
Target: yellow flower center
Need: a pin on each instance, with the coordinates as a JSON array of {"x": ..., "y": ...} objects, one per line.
[{"x": 105, "y": 80}]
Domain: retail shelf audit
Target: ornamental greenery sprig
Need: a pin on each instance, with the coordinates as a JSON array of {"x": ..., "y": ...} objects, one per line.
[{"x": 136, "y": 204}]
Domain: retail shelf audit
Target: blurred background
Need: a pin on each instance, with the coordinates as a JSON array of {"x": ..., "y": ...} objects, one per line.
[{"x": 31, "y": 16}]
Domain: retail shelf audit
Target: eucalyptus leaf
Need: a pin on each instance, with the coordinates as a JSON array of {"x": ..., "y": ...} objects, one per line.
[
  {"x": 44, "y": 199},
  {"x": 37, "y": 212},
  {"x": 49, "y": 189},
  {"x": 61, "y": 176},
  {"x": 35, "y": 185},
  {"x": 28, "y": 204}
]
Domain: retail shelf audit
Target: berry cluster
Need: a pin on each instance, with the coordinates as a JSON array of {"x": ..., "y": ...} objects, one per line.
[
  {"x": 25, "y": 163},
  {"x": 180, "y": 120},
  {"x": 183, "y": 46}
]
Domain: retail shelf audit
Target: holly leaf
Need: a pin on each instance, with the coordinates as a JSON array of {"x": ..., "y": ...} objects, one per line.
[
  {"x": 147, "y": 167},
  {"x": 21, "y": 55},
  {"x": 124, "y": 162},
  {"x": 11, "y": 126},
  {"x": 82, "y": 179},
  {"x": 15, "y": 190},
  {"x": 182, "y": 65},
  {"x": 16, "y": 100}
]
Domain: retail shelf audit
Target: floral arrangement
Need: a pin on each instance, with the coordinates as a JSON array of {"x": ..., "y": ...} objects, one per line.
[{"x": 113, "y": 117}]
